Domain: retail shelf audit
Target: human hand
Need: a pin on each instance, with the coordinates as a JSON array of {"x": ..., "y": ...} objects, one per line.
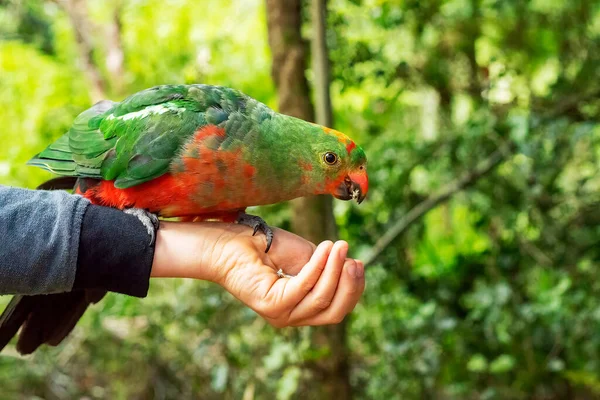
[{"x": 327, "y": 285}]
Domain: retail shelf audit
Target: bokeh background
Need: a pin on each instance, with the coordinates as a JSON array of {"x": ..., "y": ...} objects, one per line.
[{"x": 481, "y": 230}]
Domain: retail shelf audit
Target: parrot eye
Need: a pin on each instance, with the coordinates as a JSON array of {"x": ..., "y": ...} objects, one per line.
[{"x": 330, "y": 158}]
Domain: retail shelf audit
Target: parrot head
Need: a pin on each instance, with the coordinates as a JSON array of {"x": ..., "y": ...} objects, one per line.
[{"x": 344, "y": 165}]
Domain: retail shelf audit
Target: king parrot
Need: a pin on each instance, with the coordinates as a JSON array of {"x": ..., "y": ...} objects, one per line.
[{"x": 195, "y": 152}]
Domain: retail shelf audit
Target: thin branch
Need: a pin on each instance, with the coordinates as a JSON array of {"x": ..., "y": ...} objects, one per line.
[
  {"x": 81, "y": 26},
  {"x": 536, "y": 253},
  {"x": 115, "y": 55},
  {"x": 469, "y": 179},
  {"x": 568, "y": 104}
]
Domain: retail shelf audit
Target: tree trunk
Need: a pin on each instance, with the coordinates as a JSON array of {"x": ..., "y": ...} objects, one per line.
[
  {"x": 312, "y": 217},
  {"x": 289, "y": 58}
]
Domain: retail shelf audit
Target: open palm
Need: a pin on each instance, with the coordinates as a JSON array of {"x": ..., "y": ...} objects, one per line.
[{"x": 327, "y": 285}]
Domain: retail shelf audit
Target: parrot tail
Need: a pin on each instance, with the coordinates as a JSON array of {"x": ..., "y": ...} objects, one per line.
[
  {"x": 45, "y": 319},
  {"x": 60, "y": 183}
]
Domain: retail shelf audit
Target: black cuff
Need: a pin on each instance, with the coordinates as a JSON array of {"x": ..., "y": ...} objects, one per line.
[{"x": 114, "y": 253}]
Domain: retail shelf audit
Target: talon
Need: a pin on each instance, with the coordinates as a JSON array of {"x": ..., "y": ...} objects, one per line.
[
  {"x": 155, "y": 221},
  {"x": 149, "y": 220},
  {"x": 259, "y": 225}
]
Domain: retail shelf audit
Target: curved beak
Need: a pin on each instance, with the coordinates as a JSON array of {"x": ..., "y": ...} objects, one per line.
[{"x": 354, "y": 187}]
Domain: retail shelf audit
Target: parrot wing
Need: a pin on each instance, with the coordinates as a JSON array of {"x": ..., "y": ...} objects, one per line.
[{"x": 136, "y": 140}]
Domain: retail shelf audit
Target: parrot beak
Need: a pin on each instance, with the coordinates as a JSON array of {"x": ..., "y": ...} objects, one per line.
[{"x": 354, "y": 187}]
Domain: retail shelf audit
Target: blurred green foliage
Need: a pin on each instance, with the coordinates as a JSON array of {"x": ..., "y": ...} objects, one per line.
[{"x": 493, "y": 294}]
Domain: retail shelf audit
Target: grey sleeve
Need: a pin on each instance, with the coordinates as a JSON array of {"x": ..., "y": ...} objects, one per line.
[{"x": 39, "y": 240}]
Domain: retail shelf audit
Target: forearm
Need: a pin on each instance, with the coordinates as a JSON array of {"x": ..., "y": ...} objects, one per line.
[
  {"x": 57, "y": 242},
  {"x": 51, "y": 242},
  {"x": 38, "y": 231}
]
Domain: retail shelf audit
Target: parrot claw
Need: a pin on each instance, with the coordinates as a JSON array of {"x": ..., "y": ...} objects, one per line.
[
  {"x": 149, "y": 220},
  {"x": 258, "y": 224},
  {"x": 282, "y": 274}
]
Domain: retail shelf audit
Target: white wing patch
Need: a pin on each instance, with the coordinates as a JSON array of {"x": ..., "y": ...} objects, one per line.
[{"x": 151, "y": 110}]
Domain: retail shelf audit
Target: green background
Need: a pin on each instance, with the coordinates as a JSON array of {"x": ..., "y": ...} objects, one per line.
[{"x": 492, "y": 294}]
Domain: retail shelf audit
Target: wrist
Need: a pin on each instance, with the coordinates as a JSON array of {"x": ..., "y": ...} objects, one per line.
[
  {"x": 184, "y": 250},
  {"x": 114, "y": 253}
]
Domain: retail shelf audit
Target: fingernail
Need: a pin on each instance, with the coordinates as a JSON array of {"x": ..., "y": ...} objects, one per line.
[
  {"x": 360, "y": 269},
  {"x": 353, "y": 270},
  {"x": 344, "y": 252},
  {"x": 323, "y": 245}
]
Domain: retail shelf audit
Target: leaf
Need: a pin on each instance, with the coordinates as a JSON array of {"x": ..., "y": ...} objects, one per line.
[
  {"x": 502, "y": 364},
  {"x": 288, "y": 383},
  {"x": 477, "y": 363}
]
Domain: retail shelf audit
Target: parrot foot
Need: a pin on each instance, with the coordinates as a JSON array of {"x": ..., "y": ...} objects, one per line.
[
  {"x": 258, "y": 224},
  {"x": 282, "y": 274},
  {"x": 149, "y": 220}
]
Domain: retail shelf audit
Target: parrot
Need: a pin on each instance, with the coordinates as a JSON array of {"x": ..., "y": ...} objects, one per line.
[{"x": 193, "y": 152}]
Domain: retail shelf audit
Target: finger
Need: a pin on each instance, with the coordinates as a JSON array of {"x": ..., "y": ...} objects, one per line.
[
  {"x": 349, "y": 291},
  {"x": 297, "y": 288},
  {"x": 289, "y": 251},
  {"x": 321, "y": 296}
]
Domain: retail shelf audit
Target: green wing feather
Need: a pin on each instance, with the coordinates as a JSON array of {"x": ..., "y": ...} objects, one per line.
[{"x": 136, "y": 140}]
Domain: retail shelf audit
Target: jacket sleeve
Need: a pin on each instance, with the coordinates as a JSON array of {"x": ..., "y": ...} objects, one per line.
[{"x": 52, "y": 241}]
